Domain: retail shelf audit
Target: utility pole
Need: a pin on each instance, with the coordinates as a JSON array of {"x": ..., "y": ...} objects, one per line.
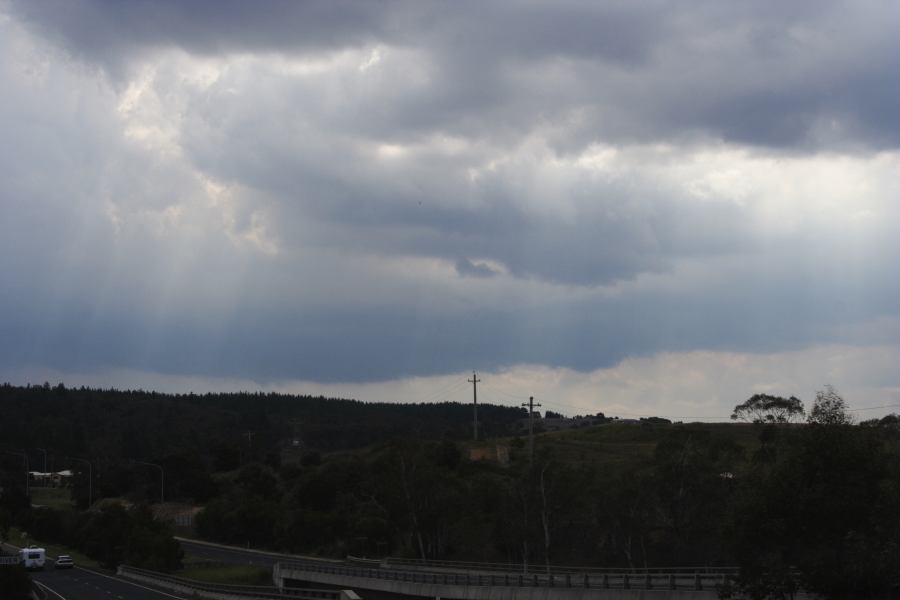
[
  {"x": 474, "y": 381},
  {"x": 45, "y": 466},
  {"x": 530, "y": 404},
  {"x": 45, "y": 457},
  {"x": 24, "y": 456},
  {"x": 162, "y": 479},
  {"x": 90, "y": 479}
]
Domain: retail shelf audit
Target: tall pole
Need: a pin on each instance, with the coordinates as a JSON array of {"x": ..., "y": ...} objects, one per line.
[
  {"x": 530, "y": 404},
  {"x": 474, "y": 381},
  {"x": 90, "y": 479},
  {"x": 45, "y": 457},
  {"x": 24, "y": 456},
  {"x": 45, "y": 464},
  {"x": 162, "y": 479}
]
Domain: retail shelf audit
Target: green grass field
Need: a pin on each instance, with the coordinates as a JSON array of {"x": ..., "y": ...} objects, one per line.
[
  {"x": 622, "y": 446},
  {"x": 214, "y": 572},
  {"x": 58, "y": 498}
]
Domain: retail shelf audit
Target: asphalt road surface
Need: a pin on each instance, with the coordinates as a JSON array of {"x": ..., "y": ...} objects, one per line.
[
  {"x": 81, "y": 584},
  {"x": 234, "y": 556},
  {"x": 239, "y": 556}
]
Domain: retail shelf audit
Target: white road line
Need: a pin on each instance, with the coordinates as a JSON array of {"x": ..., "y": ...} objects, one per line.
[
  {"x": 54, "y": 592},
  {"x": 143, "y": 587}
]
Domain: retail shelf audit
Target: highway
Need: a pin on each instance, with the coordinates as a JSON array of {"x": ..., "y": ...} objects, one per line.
[
  {"x": 240, "y": 556},
  {"x": 230, "y": 555},
  {"x": 84, "y": 584}
]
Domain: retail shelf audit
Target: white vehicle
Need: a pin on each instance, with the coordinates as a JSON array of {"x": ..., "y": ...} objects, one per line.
[{"x": 32, "y": 557}]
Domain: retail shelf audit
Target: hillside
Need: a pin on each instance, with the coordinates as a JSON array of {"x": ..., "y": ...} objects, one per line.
[
  {"x": 399, "y": 480},
  {"x": 138, "y": 424}
]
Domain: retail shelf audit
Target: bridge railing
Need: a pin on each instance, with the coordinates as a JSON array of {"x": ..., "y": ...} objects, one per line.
[
  {"x": 9, "y": 560},
  {"x": 440, "y": 565},
  {"x": 672, "y": 579}
]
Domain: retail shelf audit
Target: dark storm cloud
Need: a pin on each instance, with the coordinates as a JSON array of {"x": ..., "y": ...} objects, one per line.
[
  {"x": 622, "y": 228},
  {"x": 756, "y": 311},
  {"x": 106, "y": 32},
  {"x": 503, "y": 146},
  {"x": 796, "y": 75},
  {"x": 269, "y": 137},
  {"x": 101, "y": 29}
]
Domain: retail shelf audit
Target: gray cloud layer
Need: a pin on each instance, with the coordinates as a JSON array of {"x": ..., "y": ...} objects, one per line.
[
  {"x": 764, "y": 73},
  {"x": 355, "y": 191}
]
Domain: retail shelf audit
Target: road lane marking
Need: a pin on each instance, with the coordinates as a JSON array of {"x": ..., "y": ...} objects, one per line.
[
  {"x": 46, "y": 587},
  {"x": 131, "y": 583}
]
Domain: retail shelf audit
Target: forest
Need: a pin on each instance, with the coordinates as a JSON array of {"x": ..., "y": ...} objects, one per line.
[{"x": 811, "y": 504}]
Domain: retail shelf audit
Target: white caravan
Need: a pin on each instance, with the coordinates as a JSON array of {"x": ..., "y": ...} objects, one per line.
[{"x": 32, "y": 558}]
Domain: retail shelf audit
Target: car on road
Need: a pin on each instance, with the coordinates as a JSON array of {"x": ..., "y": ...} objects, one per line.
[{"x": 64, "y": 561}]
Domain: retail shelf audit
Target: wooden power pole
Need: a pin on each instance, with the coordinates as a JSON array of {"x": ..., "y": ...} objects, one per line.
[
  {"x": 530, "y": 404},
  {"x": 474, "y": 381}
]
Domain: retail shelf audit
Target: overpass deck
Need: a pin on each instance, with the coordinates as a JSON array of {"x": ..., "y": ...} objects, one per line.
[{"x": 489, "y": 585}]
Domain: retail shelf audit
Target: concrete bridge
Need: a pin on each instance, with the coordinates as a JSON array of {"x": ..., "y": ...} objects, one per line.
[{"x": 374, "y": 579}]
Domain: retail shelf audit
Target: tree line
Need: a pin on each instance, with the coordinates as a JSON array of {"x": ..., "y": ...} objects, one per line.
[{"x": 796, "y": 501}]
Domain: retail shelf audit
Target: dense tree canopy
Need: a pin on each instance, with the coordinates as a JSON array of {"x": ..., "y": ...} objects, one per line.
[
  {"x": 192, "y": 436},
  {"x": 830, "y": 408},
  {"x": 825, "y": 516},
  {"x": 763, "y": 408},
  {"x": 810, "y": 506}
]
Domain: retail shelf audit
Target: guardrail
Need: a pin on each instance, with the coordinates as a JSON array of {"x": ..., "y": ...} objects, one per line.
[
  {"x": 371, "y": 562},
  {"x": 243, "y": 591},
  {"x": 262, "y": 553},
  {"x": 671, "y": 579},
  {"x": 539, "y": 569}
]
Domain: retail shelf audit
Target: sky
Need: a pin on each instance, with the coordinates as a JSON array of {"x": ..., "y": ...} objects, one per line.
[{"x": 654, "y": 208}]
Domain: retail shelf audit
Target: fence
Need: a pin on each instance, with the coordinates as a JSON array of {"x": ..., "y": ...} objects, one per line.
[
  {"x": 647, "y": 579},
  {"x": 536, "y": 568}
]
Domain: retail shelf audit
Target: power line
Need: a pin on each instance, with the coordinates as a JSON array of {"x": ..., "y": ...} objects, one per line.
[
  {"x": 507, "y": 394},
  {"x": 585, "y": 409},
  {"x": 681, "y": 418},
  {"x": 493, "y": 396},
  {"x": 565, "y": 405},
  {"x": 625, "y": 414},
  {"x": 721, "y": 418},
  {"x": 874, "y": 407},
  {"x": 434, "y": 396},
  {"x": 453, "y": 386}
]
